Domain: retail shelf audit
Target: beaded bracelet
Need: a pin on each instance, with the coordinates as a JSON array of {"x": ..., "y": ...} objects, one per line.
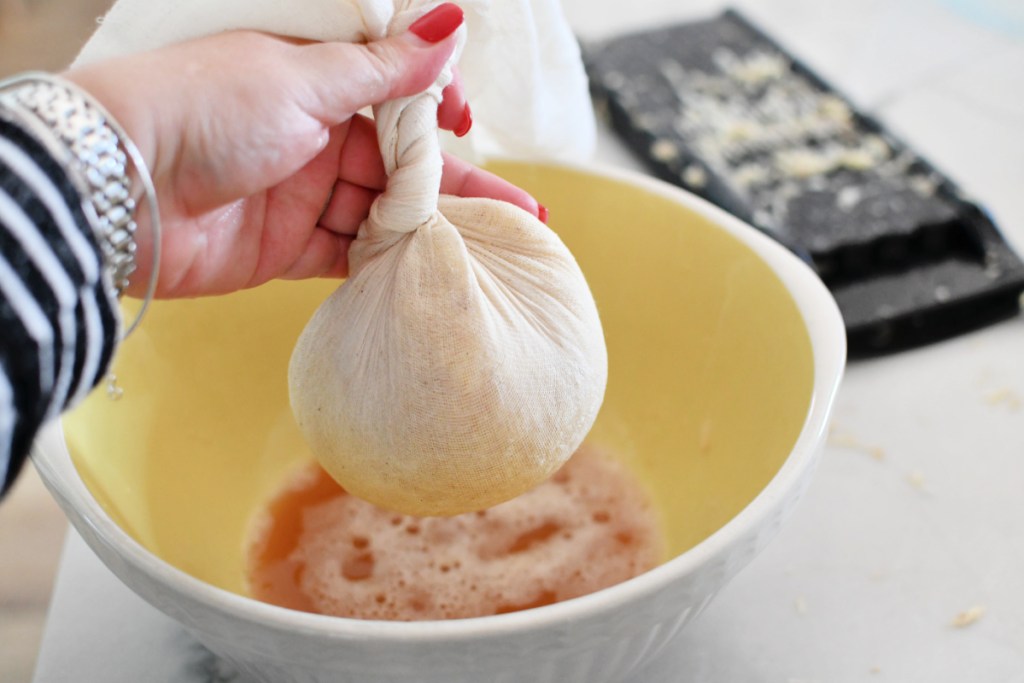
[{"x": 95, "y": 150}]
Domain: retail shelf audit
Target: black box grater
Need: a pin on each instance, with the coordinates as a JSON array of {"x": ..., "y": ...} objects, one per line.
[{"x": 719, "y": 108}]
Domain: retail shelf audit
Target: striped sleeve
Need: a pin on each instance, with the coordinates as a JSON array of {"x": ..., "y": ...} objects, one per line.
[{"x": 58, "y": 323}]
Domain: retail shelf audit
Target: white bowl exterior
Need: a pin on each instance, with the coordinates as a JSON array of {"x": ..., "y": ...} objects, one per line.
[{"x": 593, "y": 639}]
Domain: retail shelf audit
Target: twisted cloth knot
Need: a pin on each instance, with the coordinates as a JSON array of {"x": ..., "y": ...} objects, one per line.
[{"x": 407, "y": 133}]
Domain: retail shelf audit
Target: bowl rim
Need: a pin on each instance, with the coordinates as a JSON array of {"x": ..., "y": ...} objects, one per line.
[{"x": 824, "y": 326}]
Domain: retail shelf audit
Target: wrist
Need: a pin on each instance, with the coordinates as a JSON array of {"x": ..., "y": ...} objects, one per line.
[
  {"x": 122, "y": 106},
  {"x": 105, "y": 84},
  {"x": 99, "y": 158}
]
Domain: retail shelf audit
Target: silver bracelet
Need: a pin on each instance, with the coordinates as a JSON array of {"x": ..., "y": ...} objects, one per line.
[{"x": 82, "y": 135}]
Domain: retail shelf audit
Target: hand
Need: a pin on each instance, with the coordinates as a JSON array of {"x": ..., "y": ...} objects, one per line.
[{"x": 262, "y": 166}]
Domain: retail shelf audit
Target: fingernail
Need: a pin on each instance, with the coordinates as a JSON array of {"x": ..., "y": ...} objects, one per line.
[
  {"x": 438, "y": 23},
  {"x": 542, "y": 214},
  {"x": 466, "y": 124}
]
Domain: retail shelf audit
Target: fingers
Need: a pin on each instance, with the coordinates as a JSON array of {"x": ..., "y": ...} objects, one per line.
[
  {"x": 360, "y": 162},
  {"x": 454, "y": 114},
  {"x": 349, "y": 206},
  {"x": 325, "y": 255},
  {"x": 361, "y": 177},
  {"x": 345, "y": 78}
]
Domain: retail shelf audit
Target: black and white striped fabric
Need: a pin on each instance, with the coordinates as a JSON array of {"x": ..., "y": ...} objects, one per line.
[{"x": 58, "y": 324}]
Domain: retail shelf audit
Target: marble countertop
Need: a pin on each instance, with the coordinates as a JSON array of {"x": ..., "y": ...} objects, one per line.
[{"x": 903, "y": 562}]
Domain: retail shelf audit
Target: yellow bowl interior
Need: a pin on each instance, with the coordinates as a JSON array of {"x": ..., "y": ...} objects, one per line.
[{"x": 710, "y": 381}]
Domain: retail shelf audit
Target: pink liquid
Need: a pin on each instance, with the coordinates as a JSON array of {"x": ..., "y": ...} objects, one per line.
[{"x": 318, "y": 549}]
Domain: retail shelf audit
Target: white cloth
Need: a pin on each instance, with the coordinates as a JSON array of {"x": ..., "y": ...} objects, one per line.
[
  {"x": 459, "y": 366},
  {"x": 521, "y": 65}
]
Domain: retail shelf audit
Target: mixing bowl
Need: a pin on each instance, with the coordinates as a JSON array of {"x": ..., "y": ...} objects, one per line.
[{"x": 725, "y": 354}]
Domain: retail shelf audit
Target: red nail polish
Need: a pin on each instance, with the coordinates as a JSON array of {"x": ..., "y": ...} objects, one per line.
[
  {"x": 466, "y": 124},
  {"x": 438, "y": 23},
  {"x": 542, "y": 214}
]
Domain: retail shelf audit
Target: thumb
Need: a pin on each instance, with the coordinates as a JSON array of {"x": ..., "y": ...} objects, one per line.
[{"x": 346, "y": 77}]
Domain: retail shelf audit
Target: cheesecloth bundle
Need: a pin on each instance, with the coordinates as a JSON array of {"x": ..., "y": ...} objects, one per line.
[{"x": 462, "y": 362}]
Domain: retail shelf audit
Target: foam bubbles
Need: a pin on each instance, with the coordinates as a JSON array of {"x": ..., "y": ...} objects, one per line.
[{"x": 588, "y": 527}]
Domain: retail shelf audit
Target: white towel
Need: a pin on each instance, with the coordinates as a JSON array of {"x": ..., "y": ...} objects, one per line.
[{"x": 520, "y": 65}]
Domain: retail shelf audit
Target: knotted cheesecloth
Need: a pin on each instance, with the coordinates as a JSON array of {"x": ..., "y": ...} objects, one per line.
[{"x": 462, "y": 362}]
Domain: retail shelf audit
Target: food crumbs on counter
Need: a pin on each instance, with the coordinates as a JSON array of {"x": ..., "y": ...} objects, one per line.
[
  {"x": 916, "y": 479},
  {"x": 968, "y": 616},
  {"x": 1007, "y": 397},
  {"x": 849, "y": 442},
  {"x": 842, "y": 440},
  {"x": 800, "y": 605}
]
